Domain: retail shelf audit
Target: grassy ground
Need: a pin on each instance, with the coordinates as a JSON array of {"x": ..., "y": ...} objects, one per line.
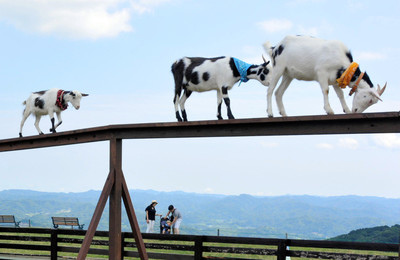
[{"x": 222, "y": 255}]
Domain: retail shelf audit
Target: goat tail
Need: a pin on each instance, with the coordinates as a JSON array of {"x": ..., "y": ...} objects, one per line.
[
  {"x": 268, "y": 48},
  {"x": 24, "y": 103}
]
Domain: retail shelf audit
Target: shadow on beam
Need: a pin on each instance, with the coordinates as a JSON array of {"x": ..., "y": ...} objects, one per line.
[{"x": 369, "y": 123}]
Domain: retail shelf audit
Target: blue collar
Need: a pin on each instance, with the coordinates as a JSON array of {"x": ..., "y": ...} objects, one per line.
[{"x": 242, "y": 67}]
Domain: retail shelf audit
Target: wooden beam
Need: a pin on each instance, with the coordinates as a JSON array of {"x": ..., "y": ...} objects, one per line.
[{"x": 371, "y": 123}]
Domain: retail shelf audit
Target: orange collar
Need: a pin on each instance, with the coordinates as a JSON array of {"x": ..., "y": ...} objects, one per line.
[
  {"x": 345, "y": 79},
  {"x": 354, "y": 88}
]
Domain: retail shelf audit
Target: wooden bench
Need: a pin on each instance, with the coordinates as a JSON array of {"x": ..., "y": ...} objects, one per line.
[
  {"x": 66, "y": 221},
  {"x": 9, "y": 219}
]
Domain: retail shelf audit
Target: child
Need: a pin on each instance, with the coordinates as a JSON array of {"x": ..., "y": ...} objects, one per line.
[{"x": 165, "y": 226}]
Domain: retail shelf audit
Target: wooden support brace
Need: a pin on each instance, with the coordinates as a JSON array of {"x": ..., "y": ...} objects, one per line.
[{"x": 115, "y": 188}]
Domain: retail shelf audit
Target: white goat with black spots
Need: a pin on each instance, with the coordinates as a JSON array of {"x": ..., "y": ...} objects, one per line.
[
  {"x": 220, "y": 74},
  {"x": 47, "y": 103},
  {"x": 326, "y": 61}
]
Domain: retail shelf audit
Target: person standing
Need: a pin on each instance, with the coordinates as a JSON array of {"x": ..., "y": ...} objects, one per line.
[
  {"x": 177, "y": 219},
  {"x": 151, "y": 216}
]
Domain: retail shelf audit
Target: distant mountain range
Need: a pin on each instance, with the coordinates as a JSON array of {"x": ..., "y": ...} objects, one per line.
[{"x": 304, "y": 217}]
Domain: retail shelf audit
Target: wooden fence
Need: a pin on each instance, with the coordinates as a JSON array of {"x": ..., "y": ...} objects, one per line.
[{"x": 65, "y": 242}]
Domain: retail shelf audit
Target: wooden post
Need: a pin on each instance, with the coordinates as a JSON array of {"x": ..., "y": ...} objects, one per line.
[
  {"x": 115, "y": 188},
  {"x": 53, "y": 244},
  {"x": 198, "y": 248},
  {"x": 115, "y": 200},
  {"x": 281, "y": 253}
]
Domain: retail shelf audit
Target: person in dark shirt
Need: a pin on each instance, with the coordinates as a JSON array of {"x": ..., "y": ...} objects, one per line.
[
  {"x": 151, "y": 216},
  {"x": 177, "y": 219}
]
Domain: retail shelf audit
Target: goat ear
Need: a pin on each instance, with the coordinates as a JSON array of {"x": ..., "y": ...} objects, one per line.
[
  {"x": 376, "y": 94},
  {"x": 85, "y": 95}
]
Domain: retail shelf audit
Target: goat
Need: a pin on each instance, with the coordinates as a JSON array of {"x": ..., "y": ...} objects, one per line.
[
  {"x": 220, "y": 74},
  {"x": 47, "y": 103},
  {"x": 312, "y": 59}
]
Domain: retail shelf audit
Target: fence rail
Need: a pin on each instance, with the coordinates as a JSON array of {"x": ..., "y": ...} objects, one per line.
[{"x": 65, "y": 242}]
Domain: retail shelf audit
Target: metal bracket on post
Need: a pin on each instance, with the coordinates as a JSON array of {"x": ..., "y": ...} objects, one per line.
[{"x": 115, "y": 188}]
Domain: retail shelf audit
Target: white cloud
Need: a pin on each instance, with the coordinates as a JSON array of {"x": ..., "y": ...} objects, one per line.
[
  {"x": 209, "y": 190},
  {"x": 76, "y": 19},
  {"x": 348, "y": 143},
  {"x": 284, "y": 25},
  {"x": 324, "y": 146},
  {"x": 144, "y": 6},
  {"x": 387, "y": 140},
  {"x": 275, "y": 25}
]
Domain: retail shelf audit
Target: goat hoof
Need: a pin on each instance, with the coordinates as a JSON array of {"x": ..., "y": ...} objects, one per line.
[
  {"x": 41, "y": 133},
  {"x": 20, "y": 135}
]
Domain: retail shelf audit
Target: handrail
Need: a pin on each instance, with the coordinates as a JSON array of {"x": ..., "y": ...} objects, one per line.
[
  {"x": 28, "y": 238},
  {"x": 368, "y": 123}
]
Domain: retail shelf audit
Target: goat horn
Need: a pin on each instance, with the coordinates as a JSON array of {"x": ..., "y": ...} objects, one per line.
[
  {"x": 381, "y": 90},
  {"x": 264, "y": 59},
  {"x": 85, "y": 95}
]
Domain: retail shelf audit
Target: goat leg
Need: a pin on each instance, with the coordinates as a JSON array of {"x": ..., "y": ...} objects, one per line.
[{"x": 52, "y": 129}]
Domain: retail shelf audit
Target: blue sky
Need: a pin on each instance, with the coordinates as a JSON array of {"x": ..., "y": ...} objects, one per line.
[{"x": 120, "y": 52}]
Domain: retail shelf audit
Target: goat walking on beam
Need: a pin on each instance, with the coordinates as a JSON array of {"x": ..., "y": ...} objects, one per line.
[
  {"x": 220, "y": 74},
  {"x": 328, "y": 63},
  {"x": 47, "y": 103}
]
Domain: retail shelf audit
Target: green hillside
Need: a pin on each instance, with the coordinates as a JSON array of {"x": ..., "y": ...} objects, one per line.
[
  {"x": 304, "y": 217},
  {"x": 381, "y": 234}
]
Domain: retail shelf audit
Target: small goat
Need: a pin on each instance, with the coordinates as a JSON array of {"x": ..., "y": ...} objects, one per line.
[
  {"x": 47, "y": 103},
  {"x": 220, "y": 74},
  {"x": 311, "y": 59}
]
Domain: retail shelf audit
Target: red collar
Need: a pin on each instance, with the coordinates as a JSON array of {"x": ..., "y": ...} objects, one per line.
[
  {"x": 60, "y": 100},
  {"x": 354, "y": 88}
]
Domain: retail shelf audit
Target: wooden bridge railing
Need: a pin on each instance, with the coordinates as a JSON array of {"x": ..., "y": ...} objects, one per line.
[
  {"x": 370, "y": 123},
  {"x": 66, "y": 242}
]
